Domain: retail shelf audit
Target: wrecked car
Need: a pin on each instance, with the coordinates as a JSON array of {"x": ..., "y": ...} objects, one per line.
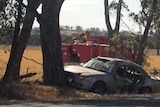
[{"x": 110, "y": 75}]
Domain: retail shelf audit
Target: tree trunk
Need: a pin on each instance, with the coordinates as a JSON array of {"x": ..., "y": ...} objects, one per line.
[
  {"x": 53, "y": 72},
  {"x": 19, "y": 43},
  {"x": 111, "y": 31},
  {"x": 143, "y": 39},
  {"x": 119, "y": 8},
  {"x": 158, "y": 42},
  {"x": 107, "y": 19},
  {"x": 158, "y": 51}
]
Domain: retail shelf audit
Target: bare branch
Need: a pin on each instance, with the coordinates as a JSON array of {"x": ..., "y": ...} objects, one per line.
[
  {"x": 128, "y": 28},
  {"x": 26, "y": 75},
  {"x": 32, "y": 60},
  {"x": 144, "y": 13}
]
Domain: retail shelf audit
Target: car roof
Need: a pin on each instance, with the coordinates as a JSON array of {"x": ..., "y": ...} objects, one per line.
[
  {"x": 118, "y": 60},
  {"x": 121, "y": 60},
  {"x": 111, "y": 59}
]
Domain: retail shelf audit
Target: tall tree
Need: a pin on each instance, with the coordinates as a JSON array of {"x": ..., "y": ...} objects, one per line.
[
  {"x": 53, "y": 72},
  {"x": 149, "y": 17},
  {"x": 20, "y": 39},
  {"x": 118, "y": 6},
  {"x": 155, "y": 29},
  {"x": 113, "y": 32}
]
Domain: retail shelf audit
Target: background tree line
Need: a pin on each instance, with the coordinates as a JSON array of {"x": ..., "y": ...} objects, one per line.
[{"x": 34, "y": 40}]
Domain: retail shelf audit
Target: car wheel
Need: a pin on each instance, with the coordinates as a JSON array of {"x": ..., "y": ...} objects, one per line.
[
  {"x": 99, "y": 87},
  {"x": 145, "y": 90}
]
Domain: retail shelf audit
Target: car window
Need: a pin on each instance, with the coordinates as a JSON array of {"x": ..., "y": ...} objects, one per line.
[
  {"x": 134, "y": 73},
  {"x": 100, "y": 65},
  {"x": 134, "y": 70},
  {"x": 121, "y": 70},
  {"x": 90, "y": 63},
  {"x": 110, "y": 66}
]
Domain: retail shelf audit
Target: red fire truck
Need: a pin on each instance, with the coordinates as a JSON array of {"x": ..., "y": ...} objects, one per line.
[{"x": 93, "y": 47}]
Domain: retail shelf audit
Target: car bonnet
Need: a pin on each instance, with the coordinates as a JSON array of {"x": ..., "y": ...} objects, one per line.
[{"x": 82, "y": 70}]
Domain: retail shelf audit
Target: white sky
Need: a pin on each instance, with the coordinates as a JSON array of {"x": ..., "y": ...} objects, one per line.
[{"x": 90, "y": 13}]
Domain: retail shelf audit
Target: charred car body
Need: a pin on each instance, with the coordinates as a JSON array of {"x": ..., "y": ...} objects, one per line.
[{"x": 111, "y": 75}]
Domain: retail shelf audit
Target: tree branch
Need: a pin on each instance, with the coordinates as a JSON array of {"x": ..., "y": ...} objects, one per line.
[
  {"x": 26, "y": 75},
  {"x": 128, "y": 28},
  {"x": 33, "y": 8},
  {"x": 18, "y": 22},
  {"x": 144, "y": 13},
  {"x": 32, "y": 60}
]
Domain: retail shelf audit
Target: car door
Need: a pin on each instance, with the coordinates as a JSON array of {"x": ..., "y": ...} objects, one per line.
[
  {"x": 136, "y": 75},
  {"x": 119, "y": 80}
]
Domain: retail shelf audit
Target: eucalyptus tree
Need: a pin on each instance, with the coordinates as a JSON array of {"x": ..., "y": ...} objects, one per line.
[
  {"x": 20, "y": 38},
  {"x": 144, "y": 19},
  {"x": 50, "y": 40},
  {"x": 155, "y": 29},
  {"x": 53, "y": 73},
  {"x": 114, "y": 6}
]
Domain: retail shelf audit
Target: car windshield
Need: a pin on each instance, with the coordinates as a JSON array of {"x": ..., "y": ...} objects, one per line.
[{"x": 100, "y": 65}]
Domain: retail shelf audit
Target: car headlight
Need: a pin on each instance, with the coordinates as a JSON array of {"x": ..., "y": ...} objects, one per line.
[{"x": 83, "y": 77}]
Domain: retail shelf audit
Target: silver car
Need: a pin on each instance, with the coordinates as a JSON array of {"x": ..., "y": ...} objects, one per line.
[{"x": 110, "y": 75}]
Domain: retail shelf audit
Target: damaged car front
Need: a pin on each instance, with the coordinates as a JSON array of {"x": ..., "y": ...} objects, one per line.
[
  {"x": 82, "y": 77},
  {"x": 76, "y": 79}
]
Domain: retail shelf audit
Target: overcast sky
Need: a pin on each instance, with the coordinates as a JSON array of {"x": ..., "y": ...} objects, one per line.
[{"x": 90, "y": 13}]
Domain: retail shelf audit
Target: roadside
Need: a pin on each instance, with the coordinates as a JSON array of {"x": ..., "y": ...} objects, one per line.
[
  {"x": 35, "y": 91},
  {"x": 116, "y": 101}
]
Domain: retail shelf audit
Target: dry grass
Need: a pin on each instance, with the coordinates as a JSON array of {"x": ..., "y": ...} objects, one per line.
[
  {"x": 153, "y": 62},
  {"x": 47, "y": 93},
  {"x": 34, "y": 53},
  {"x": 27, "y": 66},
  {"x": 40, "y": 92}
]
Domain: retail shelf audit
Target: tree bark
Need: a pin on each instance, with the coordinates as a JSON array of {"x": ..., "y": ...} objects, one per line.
[
  {"x": 112, "y": 31},
  {"x": 53, "y": 72},
  {"x": 19, "y": 43},
  {"x": 118, "y": 18},
  {"x": 107, "y": 18},
  {"x": 143, "y": 39},
  {"x": 158, "y": 51}
]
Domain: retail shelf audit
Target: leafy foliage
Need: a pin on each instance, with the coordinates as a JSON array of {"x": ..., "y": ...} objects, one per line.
[
  {"x": 6, "y": 22},
  {"x": 3, "y": 4},
  {"x": 155, "y": 29},
  {"x": 113, "y": 5},
  {"x": 8, "y": 17}
]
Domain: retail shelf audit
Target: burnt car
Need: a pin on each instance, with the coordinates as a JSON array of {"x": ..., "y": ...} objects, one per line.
[{"x": 110, "y": 75}]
